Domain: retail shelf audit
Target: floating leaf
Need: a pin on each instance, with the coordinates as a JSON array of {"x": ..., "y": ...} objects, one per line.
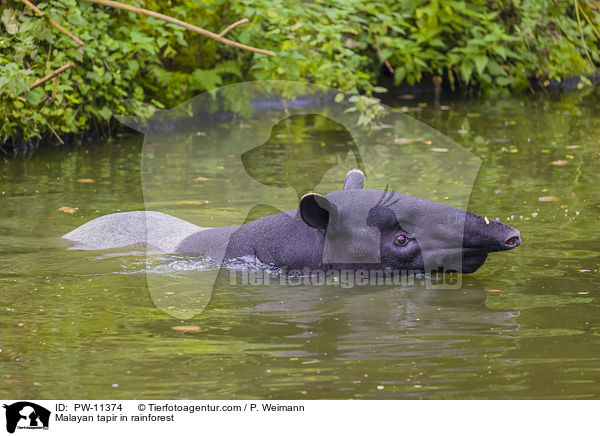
[
  {"x": 403, "y": 141},
  {"x": 572, "y": 147},
  {"x": 68, "y": 209},
  {"x": 187, "y": 328},
  {"x": 193, "y": 202},
  {"x": 86, "y": 180},
  {"x": 201, "y": 179}
]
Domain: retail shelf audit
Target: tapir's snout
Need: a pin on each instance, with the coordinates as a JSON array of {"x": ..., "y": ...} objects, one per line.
[{"x": 484, "y": 235}]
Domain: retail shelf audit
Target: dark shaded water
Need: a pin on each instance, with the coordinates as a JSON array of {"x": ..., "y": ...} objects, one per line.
[{"x": 527, "y": 325}]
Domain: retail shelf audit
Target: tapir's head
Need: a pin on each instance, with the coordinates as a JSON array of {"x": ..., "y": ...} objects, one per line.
[{"x": 369, "y": 229}]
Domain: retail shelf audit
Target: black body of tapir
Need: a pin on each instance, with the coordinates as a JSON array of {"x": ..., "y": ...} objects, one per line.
[{"x": 351, "y": 229}]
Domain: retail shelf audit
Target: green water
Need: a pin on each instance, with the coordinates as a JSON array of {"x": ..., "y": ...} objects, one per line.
[{"x": 79, "y": 324}]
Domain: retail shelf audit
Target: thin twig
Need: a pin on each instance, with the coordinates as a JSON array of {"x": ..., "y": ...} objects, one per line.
[
  {"x": 581, "y": 33},
  {"x": 54, "y": 23},
  {"x": 590, "y": 23},
  {"x": 231, "y": 26},
  {"x": 107, "y": 66},
  {"x": 51, "y": 75},
  {"x": 55, "y": 87},
  {"x": 182, "y": 24},
  {"x": 56, "y": 134},
  {"x": 387, "y": 64}
]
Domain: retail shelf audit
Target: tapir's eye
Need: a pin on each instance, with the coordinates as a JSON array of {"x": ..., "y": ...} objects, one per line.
[{"x": 401, "y": 240}]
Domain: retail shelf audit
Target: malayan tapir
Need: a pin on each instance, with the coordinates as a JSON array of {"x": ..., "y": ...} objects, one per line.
[{"x": 350, "y": 229}]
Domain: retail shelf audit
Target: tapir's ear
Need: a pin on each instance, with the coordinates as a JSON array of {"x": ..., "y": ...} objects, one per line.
[
  {"x": 315, "y": 210},
  {"x": 143, "y": 112},
  {"x": 355, "y": 179}
]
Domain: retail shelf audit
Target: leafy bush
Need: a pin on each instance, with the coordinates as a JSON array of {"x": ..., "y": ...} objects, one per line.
[{"x": 473, "y": 44}]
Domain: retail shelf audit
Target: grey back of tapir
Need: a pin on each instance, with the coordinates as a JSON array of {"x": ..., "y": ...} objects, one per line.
[
  {"x": 362, "y": 229},
  {"x": 349, "y": 229}
]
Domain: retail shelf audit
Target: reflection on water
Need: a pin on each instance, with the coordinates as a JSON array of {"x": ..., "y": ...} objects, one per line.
[{"x": 527, "y": 325}]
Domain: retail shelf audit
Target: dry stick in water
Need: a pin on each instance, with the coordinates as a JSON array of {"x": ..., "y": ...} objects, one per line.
[
  {"x": 51, "y": 75},
  {"x": 54, "y": 23},
  {"x": 56, "y": 134},
  {"x": 191, "y": 27}
]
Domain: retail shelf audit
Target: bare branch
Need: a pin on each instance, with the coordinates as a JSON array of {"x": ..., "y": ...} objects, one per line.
[
  {"x": 182, "y": 24},
  {"x": 57, "y": 136},
  {"x": 51, "y": 75},
  {"x": 387, "y": 64},
  {"x": 231, "y": 26}
]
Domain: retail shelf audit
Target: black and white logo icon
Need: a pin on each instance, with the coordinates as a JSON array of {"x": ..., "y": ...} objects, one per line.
[{"x": 26, "y": 415}]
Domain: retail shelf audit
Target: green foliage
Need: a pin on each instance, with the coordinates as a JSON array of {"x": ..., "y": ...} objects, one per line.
[{"x": 481, "y": 45}]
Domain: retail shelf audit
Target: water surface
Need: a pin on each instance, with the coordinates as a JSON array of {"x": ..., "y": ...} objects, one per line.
[{"x": 79, "y": 324}]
